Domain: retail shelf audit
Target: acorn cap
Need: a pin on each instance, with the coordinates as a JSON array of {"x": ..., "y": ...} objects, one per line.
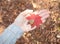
[{"x": 31, "y": 21}]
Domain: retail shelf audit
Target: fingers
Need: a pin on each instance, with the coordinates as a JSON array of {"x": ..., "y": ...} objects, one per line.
[
  {"x": 33, "y": 28},
  {"x": 43, "y": 12},
  {"x": 24, "y": 13},
  {"x": 30, "y": 28},
  {"x": 43, "y": 20},
  {"x": 44, "y": 15},
  {"x": 26, "y": 22}
]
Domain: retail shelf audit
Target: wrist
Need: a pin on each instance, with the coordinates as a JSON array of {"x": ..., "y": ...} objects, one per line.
[{"x": 22, "y": 27}]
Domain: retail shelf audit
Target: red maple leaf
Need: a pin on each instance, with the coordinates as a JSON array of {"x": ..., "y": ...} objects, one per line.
[{"x": 35, "y": 20}]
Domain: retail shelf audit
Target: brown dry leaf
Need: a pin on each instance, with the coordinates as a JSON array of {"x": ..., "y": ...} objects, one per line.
[{"x": 11, "y": 8}]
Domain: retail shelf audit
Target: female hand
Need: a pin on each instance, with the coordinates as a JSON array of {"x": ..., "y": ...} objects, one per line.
[{"x": 22, "y": 22}]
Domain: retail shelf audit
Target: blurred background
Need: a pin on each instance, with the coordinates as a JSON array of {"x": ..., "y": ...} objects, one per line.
[{"x": 47, "y": 33}]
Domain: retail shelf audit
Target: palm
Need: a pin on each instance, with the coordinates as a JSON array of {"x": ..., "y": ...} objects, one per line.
[{"x": 23, "y": 22}]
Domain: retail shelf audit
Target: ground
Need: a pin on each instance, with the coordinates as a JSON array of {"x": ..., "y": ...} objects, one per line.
[{"x": 47, "y": 33}]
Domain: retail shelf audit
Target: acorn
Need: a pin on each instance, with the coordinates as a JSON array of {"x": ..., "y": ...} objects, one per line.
[{"x": 31, "y": 21}]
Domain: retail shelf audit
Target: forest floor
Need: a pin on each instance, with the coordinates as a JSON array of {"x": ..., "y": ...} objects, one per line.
[{"x": 47, "y": 33}]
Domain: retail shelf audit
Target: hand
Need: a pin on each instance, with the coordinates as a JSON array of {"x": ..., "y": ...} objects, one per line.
[
  {"x": 38, "y": 17},
  {"x": 22, "y": 22},
  {"x": 44, "y": 14}
]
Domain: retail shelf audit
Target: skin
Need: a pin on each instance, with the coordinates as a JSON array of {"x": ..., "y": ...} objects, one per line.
[{"x": 23, "y": 23}]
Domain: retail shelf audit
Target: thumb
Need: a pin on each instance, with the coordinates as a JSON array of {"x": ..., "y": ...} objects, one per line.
[{"x": 33, "y": 28}]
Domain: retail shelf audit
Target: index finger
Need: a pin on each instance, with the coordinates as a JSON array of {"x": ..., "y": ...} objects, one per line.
[{"x": 26, "y": 12}]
